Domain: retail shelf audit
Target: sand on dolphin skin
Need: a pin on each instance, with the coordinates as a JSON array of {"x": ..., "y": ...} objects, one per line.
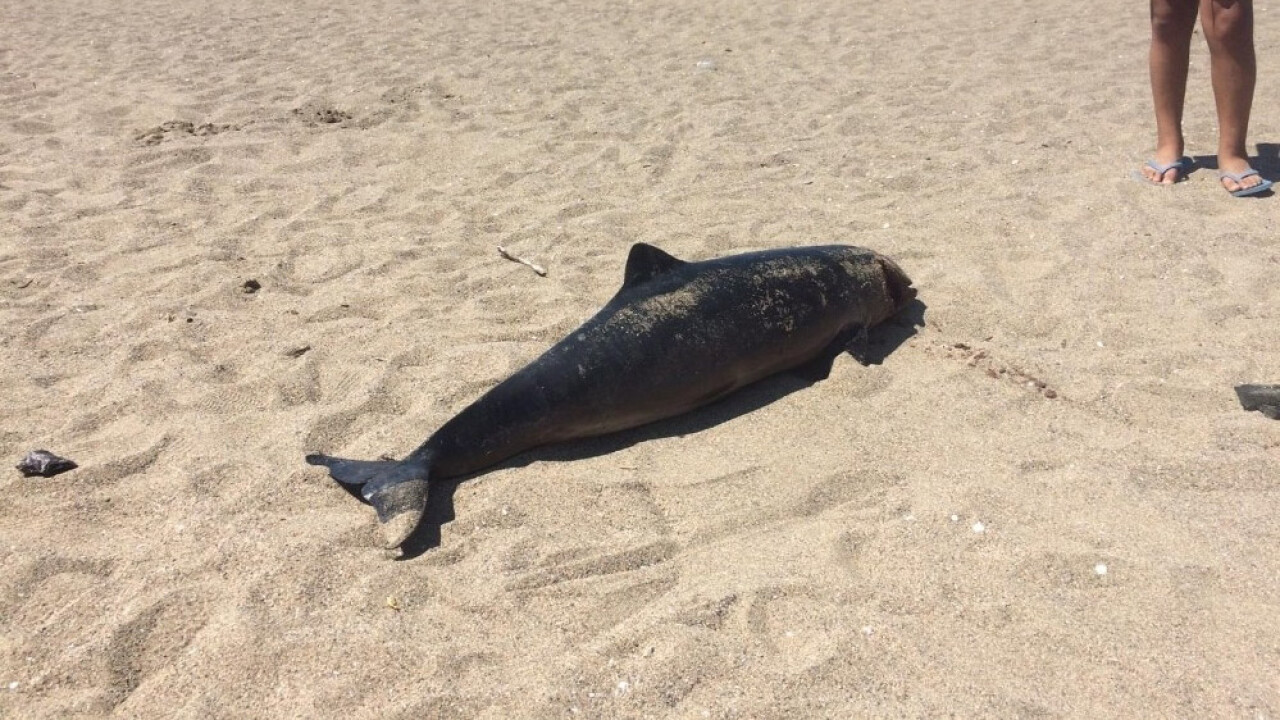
[{"x": 1047, "y": 502}]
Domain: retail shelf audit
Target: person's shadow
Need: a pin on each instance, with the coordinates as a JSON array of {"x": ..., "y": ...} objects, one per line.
[
  {"x": 881, "y": 342},
  {"x": 1268, "y": 161}
]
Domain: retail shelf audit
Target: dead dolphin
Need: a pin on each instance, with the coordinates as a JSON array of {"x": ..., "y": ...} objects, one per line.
[{"x": 678, "y": 335}]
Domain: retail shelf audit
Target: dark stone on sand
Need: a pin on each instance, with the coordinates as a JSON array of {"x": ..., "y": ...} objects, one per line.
[
  {"x": 1263, "y": 398},
  {"x": 44, "y": 464}
]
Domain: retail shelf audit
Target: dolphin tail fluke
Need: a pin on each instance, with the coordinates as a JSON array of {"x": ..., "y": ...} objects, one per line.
[{"x": 397, "y": 490}]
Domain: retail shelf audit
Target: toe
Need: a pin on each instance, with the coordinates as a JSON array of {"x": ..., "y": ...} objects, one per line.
[
  {"x": 1233, "y": 185},
  {"x": 1154, "y": 174}
]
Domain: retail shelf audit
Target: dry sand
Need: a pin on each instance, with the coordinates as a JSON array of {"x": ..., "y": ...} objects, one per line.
[{"x": 918, "y": 538}]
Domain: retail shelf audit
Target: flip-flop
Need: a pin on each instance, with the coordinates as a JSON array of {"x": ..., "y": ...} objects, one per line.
[
  {"x": 1239, "y": 178},
  {"x": 1183, "y": 165}
]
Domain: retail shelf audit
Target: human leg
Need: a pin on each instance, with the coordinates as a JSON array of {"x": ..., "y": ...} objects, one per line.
[
  {"x": 1171, "y": 24},
  {"x": 1228, "y": 29}
]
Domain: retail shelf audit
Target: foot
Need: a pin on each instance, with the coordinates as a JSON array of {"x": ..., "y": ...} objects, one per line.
[
  {"x": 1236, "y": 176},
  {"x": 1165, "y": 170}
]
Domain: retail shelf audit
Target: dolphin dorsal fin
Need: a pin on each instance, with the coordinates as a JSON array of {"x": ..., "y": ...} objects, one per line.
[{"x": 646, "y": 262}]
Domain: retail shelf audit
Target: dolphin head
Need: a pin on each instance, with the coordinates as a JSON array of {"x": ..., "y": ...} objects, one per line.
[{"x": 897, "y": 284}]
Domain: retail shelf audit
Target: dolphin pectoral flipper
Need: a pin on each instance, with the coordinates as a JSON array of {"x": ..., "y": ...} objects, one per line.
[
  {"x": 858, "y": 345},
  {"x": 397, "y": 490}
]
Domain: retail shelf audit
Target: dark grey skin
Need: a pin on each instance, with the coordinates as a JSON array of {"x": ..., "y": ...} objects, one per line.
[
  {"x": 677, "y": 336},
  {"x": 1263, "y": 398}
]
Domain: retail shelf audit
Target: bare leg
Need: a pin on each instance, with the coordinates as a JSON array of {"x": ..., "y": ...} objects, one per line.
[
  {"x": 1228, "y": 28},
  {"x": 1171, "y": 24}
]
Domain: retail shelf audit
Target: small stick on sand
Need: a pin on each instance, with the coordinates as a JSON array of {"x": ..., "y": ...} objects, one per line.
[{"x": 536, "y": 268}]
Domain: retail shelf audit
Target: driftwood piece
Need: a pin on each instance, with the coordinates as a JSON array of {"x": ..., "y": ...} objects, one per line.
[{"x": 515, "y": 258}]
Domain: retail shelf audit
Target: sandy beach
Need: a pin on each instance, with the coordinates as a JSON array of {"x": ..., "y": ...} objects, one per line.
[{"x": 1047, "y": 502}]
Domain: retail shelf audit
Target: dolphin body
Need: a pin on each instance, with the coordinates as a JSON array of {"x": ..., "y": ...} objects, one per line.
[{"x": 678, "y": 335}]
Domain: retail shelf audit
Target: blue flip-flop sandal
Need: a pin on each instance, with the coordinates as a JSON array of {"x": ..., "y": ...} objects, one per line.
[
  {"x": 1182, "y": 165},
  {"x": 1239, "y": 178}
]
